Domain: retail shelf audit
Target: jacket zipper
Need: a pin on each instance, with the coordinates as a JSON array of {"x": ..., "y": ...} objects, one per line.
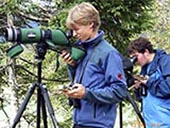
[{"x": 95, "y": 110}]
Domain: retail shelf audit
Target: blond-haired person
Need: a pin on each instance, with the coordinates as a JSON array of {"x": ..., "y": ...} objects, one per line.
[{"x": 98, "y": 80}]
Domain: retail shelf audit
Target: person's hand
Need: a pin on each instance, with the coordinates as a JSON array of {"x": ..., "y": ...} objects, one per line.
[
  {"x": 67, "y": 58},
  {"x": 139, "y": 80},
  {"x": 77, "y": 91}
]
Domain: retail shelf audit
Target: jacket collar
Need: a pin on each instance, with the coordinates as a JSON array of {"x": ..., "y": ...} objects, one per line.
[{"x": 154, "y": 64}]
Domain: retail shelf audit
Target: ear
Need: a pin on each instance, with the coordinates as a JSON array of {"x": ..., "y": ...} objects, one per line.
[
  {"x": 91, "y": 24},
  {"x": 146, "y": 52}
]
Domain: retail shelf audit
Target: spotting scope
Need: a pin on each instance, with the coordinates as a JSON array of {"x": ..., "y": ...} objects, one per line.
[{"x": 54, "y": 39}]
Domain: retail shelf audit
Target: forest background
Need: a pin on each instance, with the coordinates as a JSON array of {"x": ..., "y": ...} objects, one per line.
[{"x": 122, "y": 21}]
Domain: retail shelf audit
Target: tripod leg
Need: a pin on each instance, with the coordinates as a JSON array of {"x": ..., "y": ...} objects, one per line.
[
  {"x": 24, "y": 104},
  {"x": 121, "y": 115},
  {"x": 49, "y": 106},
  {"x": 44, "y": 113},
  {"x": 41, "y": 104},
  {"x": 38, "y": 106},
  {"x": 136, "y": 109}
]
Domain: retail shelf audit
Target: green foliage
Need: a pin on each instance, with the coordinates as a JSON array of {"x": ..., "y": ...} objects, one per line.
[
  {"x": 160, "y": 34},
  {"x": 121, "y": 21}
]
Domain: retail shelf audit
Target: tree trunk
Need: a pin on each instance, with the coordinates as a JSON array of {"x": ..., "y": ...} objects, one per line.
[{"x": 11, "y": 83}]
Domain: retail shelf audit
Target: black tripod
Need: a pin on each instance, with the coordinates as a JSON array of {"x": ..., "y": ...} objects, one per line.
[
  {"x": 128, "y": 69},
  {"x": 130, "y": 99},
  {"x": 43, "y": 99}
]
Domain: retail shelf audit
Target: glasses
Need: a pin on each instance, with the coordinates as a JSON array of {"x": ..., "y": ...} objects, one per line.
[{"x": 134, "y": 59}]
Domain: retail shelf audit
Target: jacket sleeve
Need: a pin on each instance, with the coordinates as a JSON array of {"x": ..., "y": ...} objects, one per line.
[
  {"x": 115, "y": 90},
  {"x": 159, "y": 85}
]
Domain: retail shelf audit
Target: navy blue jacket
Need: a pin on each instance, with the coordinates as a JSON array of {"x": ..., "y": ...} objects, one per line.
[{"x": 101, "y": 72}]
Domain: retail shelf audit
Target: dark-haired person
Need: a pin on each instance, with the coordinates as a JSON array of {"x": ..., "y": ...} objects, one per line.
[
  {"x": 98, "y": 79},
  {"x": 155, "y": 89}
]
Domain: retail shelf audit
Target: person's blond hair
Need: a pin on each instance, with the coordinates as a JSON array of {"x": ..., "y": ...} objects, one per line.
[{"x": 83, "y": 14}]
